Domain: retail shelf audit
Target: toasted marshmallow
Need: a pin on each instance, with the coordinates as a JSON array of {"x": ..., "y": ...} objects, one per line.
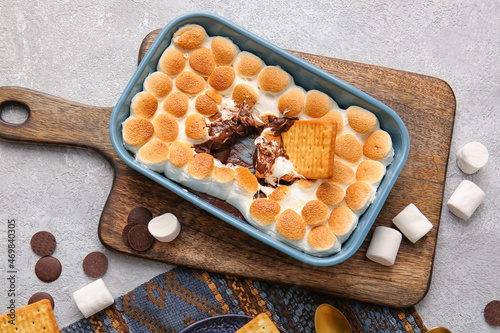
[
  {"x": 248, "y": 65},
  {"x": 180, "y": 153},
  {"x": 164, "y": 228},
  {"x": 214, "y": 95},
  {"x": 318, "y": 104},
  {"x": 190, "y": 83},
  {"x": 330, "y": 193},
  {"x": 348, "y": 148},
  {"x": 158, "y": 84},
  {"x": 143, "y": 105},
  {"x": 472, "y": 157},
  {"x": 202, "y": 61},
  {"x": 384, "y": 246},
  {"x": 189, "y": 36},
  {"x": 279, "y": 193},
  {"x": 172, "y": 61},
  {"x": 273, "y": 79},
  {"x": 412, "y": 223},
  {"x": 291, "y": 103},
  {"x": 224, "y": 50},
  {"x": 336, "y": 117},
  {"x": 369, "y": 171},
  {"x": 290, "y": 225},
  {"x": 166, "y": 127},
  {"x": 315, "y": 212},
  {"x": 378, "y": 146},
  {"x": 358, "y": 196},
  {"x": 200, "y": 169},
  {"x": 195, "y": 126},
  {"x": 264, "y": 211},
  {"x": 223, "y": 178},
  {"x": 342, "y": 173},
  {"x": 246, "y": 181},
  {"x": 136, "y": 132},
  {"x": 154, "y": 155},
  {"x": 306, "y": 183},
  {"x": 206, "y": 105},
  {"x": 243, "y": 190},
  {"x": 361, "y": 120},
  {"x": 321, "y": 238},
  {"x": 176, "y": 104},
  {"x": 342, "y": 222},
  {"x": 245, "y": 95},
  {"x": 222, "y": 78},
  {"x": 465, "y": 199}
]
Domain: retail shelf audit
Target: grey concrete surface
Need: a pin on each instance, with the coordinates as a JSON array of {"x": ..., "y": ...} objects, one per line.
[{"x": 86, "y": 51}]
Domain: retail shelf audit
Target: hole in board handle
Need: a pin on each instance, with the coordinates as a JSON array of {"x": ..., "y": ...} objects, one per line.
[{"x": 14, "y": 113}]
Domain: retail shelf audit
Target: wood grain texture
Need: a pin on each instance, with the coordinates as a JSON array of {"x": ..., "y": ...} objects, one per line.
[{"x": 426, "y": 105}]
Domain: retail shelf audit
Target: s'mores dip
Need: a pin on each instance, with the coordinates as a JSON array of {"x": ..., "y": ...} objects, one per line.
[{"x": 219, "y": 120}]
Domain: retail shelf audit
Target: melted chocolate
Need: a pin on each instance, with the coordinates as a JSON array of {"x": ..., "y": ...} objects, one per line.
[{"x": 228, "y": 140}]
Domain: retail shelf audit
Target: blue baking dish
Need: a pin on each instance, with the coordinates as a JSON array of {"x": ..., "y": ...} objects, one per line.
[{"x": 305, "y": 75}]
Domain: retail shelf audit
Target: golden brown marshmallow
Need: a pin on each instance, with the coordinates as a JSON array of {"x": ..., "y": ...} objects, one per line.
[
  {"x": 158, "y": 84},
  {"x": 370, "y": 171},
  {"x": 190, "y": 83},
  {"x": 176, "y": 104},
  {"x": 144, "y": 105},
  {"x": 291, "y": 103},
  {"x": 317, "y": 104},
  {"x": 248, "y": 65},
  {"x": 201, "y": 166},
  {"x": 243, "y": 94},
  {"x": 137, "y": 131},
  {"x": 180, "y": 153},
  {"x": 202, "y": 61},
  {"x": 264, "y": 211},
  {"x": 315, "y": 212},
  {"x": 330, "y": 193},
  {"x": 222, "y": 78},
  {"x": 273, "y": 79},
  {"x": 361, "y": 120},
  {"x": 206, "y": 105},
  {"x": 195, "y": 126},
  {"x": 172, "y": 61},
  {"x": 224, "y": 50},
  {"x": 348, "y": 148},
  {"x": 321, "y": 238},
  {"x": 357, "y": 195},
  {"x": 189, "y": 37},
  {"x": 166, "y": 127},
  {"x": 291, "y": 225},
  {"x": 378, "y": 145}
]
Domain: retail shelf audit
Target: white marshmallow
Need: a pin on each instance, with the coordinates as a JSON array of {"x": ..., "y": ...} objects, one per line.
[
  {"x": 93, "y": 298},
  {"x": 412, "y": 223},
  {"x": 472, "y": 157},
  {"x": 465, "y": 200},
  {"x": 165, "y": 228},
  {"x": 384, "y": 245}
]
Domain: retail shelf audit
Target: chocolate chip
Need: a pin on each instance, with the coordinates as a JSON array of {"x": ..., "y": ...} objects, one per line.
[
  {"x": 125, "y": 232},
  {"x": 139, "y": 215},
  {"x": 139, "y": 238},
  {"x": 95, "y": 264},
  {"x": 48, "y": 269},
  {"x": 43, "y": 243},
  {"x": 39, "y": 296},
  {"x": 492, "y": 313}
]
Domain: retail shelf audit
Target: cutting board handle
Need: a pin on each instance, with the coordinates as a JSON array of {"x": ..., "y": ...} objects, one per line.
[{"x": 54, "y": 120}]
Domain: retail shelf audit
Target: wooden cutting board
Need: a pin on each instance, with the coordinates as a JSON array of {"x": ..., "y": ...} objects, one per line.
[{"x": 427, "y": 107}]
